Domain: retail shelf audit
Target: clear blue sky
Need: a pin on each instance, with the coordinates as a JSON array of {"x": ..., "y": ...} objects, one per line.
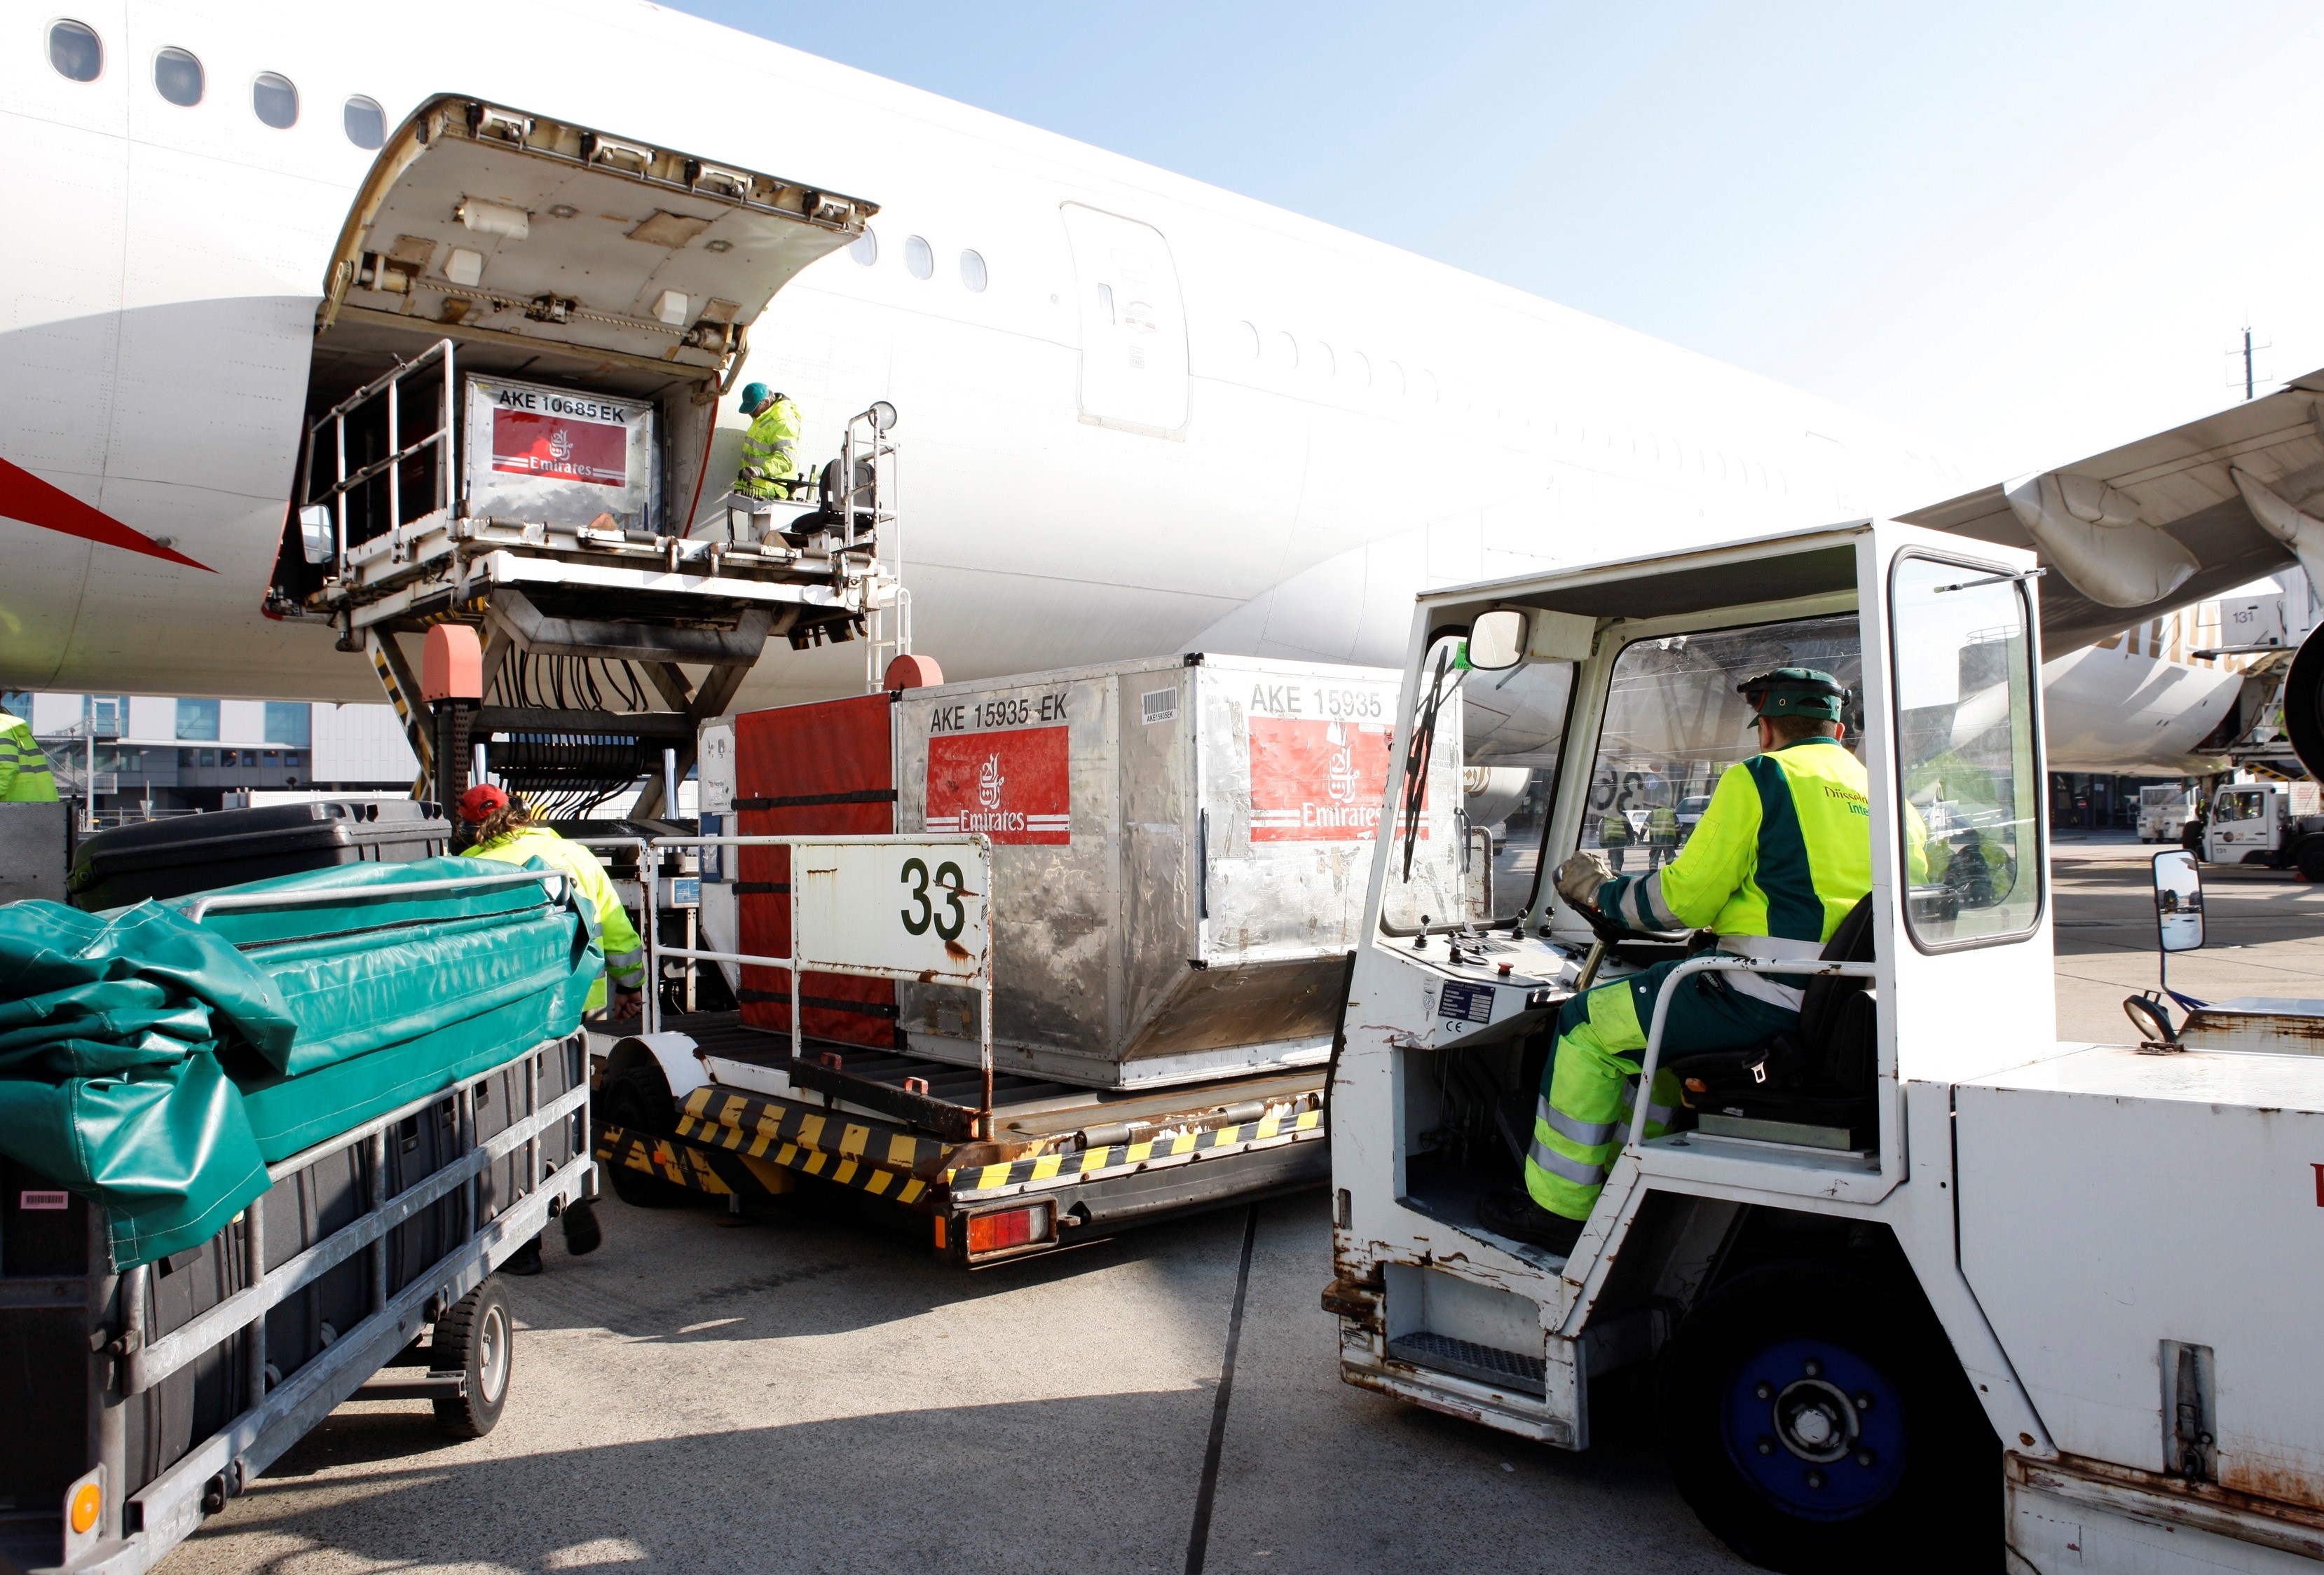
[{"x": 2026, "y": 231}]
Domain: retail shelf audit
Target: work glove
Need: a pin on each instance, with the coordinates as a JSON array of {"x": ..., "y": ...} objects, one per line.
[
  {"x": 751, "y": 473},
  {"x": 1581, "y": 876}
]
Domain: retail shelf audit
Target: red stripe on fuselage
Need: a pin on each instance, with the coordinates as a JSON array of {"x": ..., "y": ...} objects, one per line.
[{"x": 25, "y": 496}]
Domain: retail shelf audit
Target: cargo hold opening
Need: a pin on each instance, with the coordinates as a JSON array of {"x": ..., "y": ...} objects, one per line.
[{"x": 597, "y": 294}]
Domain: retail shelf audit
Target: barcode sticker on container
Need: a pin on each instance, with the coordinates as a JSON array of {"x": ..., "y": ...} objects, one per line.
[
  {"x": 30, "y": 1200},
  {"x": 1160, "y": 705}
]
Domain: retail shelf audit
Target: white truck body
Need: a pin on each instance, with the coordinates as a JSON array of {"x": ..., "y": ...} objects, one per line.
[
  {"x": 2164, "y": 811},
  {"x": 2279, "y": 823},
  {"x": 2110, "y": 1257}
]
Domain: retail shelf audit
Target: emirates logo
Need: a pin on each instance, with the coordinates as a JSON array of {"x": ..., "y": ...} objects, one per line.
[
  {"x": 1342, "y": 783},
  {"x": 560, "y": 445},
  {"x": 989, "y": 781}
]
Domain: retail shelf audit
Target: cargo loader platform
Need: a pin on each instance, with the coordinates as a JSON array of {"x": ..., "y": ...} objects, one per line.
[{"x": 1064, "y": 1165}]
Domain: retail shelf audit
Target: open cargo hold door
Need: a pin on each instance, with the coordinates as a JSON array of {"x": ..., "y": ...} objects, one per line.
[{"x": 568, "y": 256}]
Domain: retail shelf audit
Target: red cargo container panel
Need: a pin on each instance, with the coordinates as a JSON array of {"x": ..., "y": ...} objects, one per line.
[{"x": 821, "y": 769}]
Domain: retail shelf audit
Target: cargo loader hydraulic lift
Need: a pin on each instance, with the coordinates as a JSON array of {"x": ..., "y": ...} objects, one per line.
[{"x": 526, "y": 330}]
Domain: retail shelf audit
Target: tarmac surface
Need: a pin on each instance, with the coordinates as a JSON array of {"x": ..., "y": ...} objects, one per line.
[{"x": 800, "y": 1393}]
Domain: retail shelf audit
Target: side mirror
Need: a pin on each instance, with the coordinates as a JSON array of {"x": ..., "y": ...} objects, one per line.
[
  {"x": 317, "y": 538},
  {"x": 1497, "y": 640},
  {"x": 2178, "y": 900}
]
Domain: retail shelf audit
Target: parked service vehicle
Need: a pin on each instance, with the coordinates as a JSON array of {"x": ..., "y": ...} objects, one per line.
[
  {"x": 1925, "y": 1281},
  {"x": 2164, "y": 811},
  {"x": 1092, "y": 977},
  {"x": 2277, "y": 824}
]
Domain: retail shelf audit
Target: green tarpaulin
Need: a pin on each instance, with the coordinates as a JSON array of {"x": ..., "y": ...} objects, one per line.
[{"x": 156, "y": 1067}]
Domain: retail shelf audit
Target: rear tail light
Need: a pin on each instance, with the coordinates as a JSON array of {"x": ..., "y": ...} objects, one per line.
[{"x": 1001, "y": 1230}]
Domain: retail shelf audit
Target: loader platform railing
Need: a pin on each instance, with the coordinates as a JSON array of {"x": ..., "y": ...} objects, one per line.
[{"x": 884, "y": 910}]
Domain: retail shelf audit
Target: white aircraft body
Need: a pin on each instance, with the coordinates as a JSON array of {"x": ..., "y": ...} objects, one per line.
[{"x": 1322, "y": 424}]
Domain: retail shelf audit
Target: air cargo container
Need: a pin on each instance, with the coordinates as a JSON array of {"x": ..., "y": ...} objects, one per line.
[{"x": 1179, "y": 853}]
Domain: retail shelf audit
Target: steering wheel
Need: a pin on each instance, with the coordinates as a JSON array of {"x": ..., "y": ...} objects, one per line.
[{"x": 1611, "y": 933}]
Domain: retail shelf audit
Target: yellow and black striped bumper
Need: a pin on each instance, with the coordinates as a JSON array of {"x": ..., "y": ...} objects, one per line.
[
  {"x": 1044, "y": 1171},
  {"x": 887, "y": 1162},
  {"x": 730, "y": 1142}
]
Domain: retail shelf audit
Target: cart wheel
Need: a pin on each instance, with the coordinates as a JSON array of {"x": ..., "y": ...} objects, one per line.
[
  {"x": 1817, "y": 1423},
  {"x": 2311, "y": 860},
  {"x": 478, "y": 1339},
  {"x": 583, "y": 1234},
  {"x": 637, "y": 1100}
]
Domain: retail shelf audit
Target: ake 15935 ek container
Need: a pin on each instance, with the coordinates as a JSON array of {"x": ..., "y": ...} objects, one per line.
[{"x": 1181, "y": 850}]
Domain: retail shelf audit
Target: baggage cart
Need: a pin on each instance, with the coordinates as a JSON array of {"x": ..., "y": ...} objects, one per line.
[{"x": 155, "y": 1394}]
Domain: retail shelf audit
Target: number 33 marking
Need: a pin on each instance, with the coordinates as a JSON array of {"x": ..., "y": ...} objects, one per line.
[{"x": 950, "y": 882}]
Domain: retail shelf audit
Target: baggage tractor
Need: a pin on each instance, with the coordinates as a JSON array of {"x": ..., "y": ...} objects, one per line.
[{"x": 199, "y": 852}]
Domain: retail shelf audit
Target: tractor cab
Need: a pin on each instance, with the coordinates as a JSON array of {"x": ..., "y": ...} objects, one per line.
[{"x": 1449, "y": 1025}]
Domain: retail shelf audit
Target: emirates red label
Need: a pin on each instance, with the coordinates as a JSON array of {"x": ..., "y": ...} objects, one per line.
[
  {"x": 1014, "y": 787},
  {"x": 1316, "y": 781},
  {"x": 570, "y": 446}
]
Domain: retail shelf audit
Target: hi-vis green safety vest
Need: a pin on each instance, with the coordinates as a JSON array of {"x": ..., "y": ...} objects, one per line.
[
  {"x": 24, "y": 769},
  {"x": 624, "y": 953},
  {"x": 771, "y": 445},
  {"x": 1783, "y": 851}
]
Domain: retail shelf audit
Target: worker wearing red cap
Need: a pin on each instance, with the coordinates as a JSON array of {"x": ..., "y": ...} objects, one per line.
[{"x": 507, "y": 832}]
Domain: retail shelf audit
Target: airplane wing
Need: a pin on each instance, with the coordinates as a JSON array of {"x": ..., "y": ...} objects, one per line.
[{"x": 2173, "y": 519}]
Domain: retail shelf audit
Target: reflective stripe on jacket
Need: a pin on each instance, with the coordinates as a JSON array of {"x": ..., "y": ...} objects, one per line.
[
  {"x": 772, "y": 445},
  {"x": 624, "y": 951},
  {"x": 25, "y": 776},
  {"x": 1783, "y": 851}
]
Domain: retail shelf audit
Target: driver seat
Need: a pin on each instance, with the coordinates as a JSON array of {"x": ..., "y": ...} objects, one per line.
[{"x": 1814, "y": 1086}]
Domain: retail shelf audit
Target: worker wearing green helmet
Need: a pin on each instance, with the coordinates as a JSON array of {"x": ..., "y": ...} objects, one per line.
[
  {"x": 1783, "y": 851},
  {"x": 770, "y": 448}
]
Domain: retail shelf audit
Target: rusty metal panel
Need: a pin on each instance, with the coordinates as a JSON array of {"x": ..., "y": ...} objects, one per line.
[
  {"x": 1180, "y": 857},
  {"x": 2273, "y": 1025},
  {"x": 2106, "y": 1198}
]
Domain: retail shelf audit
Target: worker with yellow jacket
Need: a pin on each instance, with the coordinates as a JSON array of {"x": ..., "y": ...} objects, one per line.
[
  {"x": 25, "y": 776},
  {"x": 1783, "y": 851},
  {"x": 507, "y": 834},
  {"x": 771, "y": 448}
]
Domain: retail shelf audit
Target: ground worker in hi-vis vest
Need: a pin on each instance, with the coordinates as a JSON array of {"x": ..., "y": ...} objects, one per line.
[
  {"x": 1614, "y": 836},
  {"x": 24, "y": 769},
  {"x": 1662, "y": 836},
  {"x": 771, "y": 448},
  {"x": 1783, "y": 851},
  {"x": 506, "y": 833}
]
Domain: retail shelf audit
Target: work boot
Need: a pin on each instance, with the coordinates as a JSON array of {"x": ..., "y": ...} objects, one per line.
[
  {"x": 525, "y": 1260},
  {"x": 1512, "y": 1213}
]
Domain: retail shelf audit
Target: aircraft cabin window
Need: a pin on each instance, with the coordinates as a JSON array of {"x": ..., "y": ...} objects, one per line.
[
  {"x": 1327, "y": 365},
  {"x": 178, "y": 77},
  {"x": 1287, "y": 350},
  {"x": 365, "y": 123},
  {"x": 1250, "y": 340},
  {"x": 75, "y": 50},
  {"x": 1396, "y": 378},
  {"x": 864, "y": 249},
  {"x": 274, "y": 100},
  {"x": 919, "y": 257},
  {"x": 1360, "y": 368},
  {"x": 971, "y": 270}
]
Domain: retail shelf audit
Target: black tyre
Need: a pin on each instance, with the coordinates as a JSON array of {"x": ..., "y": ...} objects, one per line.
[
  {"x": 1817, "y": 1423},
  {"x": 476, "y": 1338},
  {"x": 2311, "y": 859},
  {"x": 637, "y": 1100}
]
